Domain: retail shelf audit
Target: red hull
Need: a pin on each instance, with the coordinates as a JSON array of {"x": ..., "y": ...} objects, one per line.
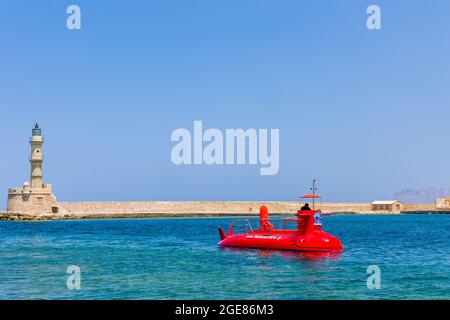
[
  {"x": 308, "y": 236},
  {"x": 284, "y": 240}
]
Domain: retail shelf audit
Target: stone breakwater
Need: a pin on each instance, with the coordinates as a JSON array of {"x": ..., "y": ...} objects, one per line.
[{"x": 156, "y": 209}]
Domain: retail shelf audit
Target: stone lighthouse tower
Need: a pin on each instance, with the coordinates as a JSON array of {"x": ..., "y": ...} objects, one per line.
[
  {"x": 34, "y": 197},
  {"x": 36, "y": 158}
]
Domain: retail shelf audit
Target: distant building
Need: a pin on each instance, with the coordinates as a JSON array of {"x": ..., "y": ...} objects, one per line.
[
  {"x": 387, "y": 205},
  {"x": 443, "y": 203}
]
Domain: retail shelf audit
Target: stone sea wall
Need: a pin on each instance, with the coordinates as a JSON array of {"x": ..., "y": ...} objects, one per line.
[
  {"x": 420, "y": 207},
  {"x": 151, "y": 209},
  {"x": 202, "y": 207}
]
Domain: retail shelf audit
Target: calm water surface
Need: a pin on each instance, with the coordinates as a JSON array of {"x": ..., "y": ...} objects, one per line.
[{"x": 179, "y": 259}]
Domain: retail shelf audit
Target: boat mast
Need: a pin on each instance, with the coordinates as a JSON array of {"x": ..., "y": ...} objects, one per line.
[{"x": 313, "y": 189}]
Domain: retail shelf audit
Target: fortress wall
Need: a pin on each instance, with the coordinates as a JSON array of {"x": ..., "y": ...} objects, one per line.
[
  {"x": 161, "y": 207},
  {"x": 24, "y": 210},
  {"x": 345, "y": 207},
  {"x": 214, "y": 207},
  {"x": 37, "y": 204},
  {"x": 420, "y": 207}
]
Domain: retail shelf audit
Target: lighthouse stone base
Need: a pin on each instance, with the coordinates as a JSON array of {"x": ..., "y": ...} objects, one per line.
[{"x": 28, "y": 200}]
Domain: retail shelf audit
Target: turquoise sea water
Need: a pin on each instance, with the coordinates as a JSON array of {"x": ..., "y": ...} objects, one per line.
[{"x": 180, "y": 259}]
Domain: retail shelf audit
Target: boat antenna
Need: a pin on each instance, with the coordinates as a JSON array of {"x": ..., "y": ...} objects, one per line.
[{"x": 313, "y": 189}]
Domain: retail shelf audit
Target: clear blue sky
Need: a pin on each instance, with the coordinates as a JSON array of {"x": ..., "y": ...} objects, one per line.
[{"x": 365, "y": 112}]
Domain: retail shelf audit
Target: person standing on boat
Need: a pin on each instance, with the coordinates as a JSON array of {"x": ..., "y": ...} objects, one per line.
[{"x": 306, "y": 207}]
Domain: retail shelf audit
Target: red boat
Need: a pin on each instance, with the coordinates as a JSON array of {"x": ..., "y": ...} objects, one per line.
[{"x": 307, "y": 235}]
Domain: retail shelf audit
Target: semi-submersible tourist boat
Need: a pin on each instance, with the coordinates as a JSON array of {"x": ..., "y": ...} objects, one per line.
[{"x": 307, "y": 235}]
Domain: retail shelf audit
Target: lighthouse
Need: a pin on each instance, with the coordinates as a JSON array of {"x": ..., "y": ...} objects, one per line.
[
  {"x": 36, "y": 158},
  {"x": 34, "y": 197}
]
